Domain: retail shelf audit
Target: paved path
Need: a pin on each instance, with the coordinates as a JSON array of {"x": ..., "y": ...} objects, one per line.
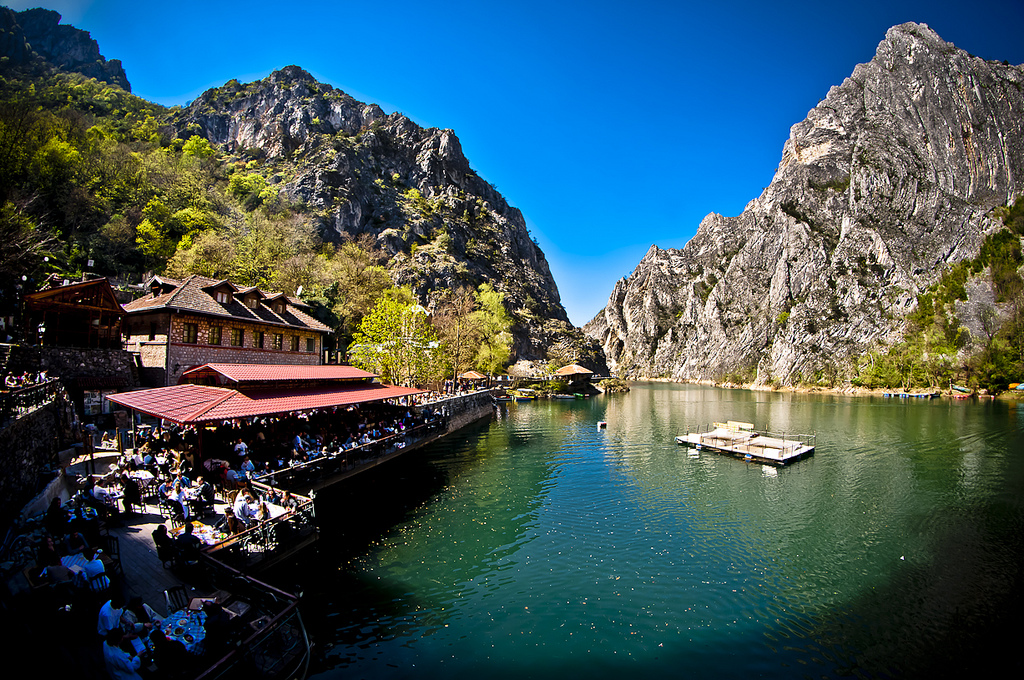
[{"x": 145, "y": 575}]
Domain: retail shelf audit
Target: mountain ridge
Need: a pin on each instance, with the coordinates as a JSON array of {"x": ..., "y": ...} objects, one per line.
[
  {"x": 35, "y": 37},
  {"x": 892, "y": 177},
  {"x": 360, "y": 171}
]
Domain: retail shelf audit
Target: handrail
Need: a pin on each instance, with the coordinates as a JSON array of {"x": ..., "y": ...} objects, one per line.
[
  {"x": 19, "y": 402},
  {"x": 260, "y": 534},
  {"x": 317, "y": 465}
]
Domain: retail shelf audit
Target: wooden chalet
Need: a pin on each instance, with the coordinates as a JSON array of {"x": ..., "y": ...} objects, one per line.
[{"x": 80, "y": 314}]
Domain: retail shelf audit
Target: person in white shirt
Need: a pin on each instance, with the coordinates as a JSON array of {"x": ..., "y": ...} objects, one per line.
[
  {"x": 178, "y": 493},
  {"x": 110, "y": 615},
  {"x": 93, "y": 567},
  {"x": 120, "y": 664},
  {"x": 243, "y": 508},
  {"x": 241, "y": 449},
  {"x": 247, "y": 467}
]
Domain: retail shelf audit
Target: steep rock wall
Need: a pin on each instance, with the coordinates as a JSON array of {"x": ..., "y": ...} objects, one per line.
[
  {"x": 891, "y": 178},
  {"x": 360, "y": 171}
]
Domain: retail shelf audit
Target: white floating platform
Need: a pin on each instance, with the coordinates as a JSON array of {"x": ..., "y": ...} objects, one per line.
[{"x": 749, "y": 445}]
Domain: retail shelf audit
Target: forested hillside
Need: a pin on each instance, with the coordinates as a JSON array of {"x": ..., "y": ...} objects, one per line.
[{"x": 90, "y": 173}]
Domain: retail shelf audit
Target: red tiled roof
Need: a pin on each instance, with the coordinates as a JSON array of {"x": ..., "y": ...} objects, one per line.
[
  {"x": 191, "y": 295},
  {"x": 200, "y": 403},
  {"x": 473, "y": 375},
  {"x": 573, "y": 369},
  {"x": 242, "y": 373}
]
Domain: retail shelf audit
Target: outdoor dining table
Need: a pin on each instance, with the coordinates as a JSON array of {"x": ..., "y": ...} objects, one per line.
[
  {"x": 142, "y": 475},
  {"x": 185, "y": 626},
  {"x": 77, "y": 564},
  {"x": 204, "y": 532}
]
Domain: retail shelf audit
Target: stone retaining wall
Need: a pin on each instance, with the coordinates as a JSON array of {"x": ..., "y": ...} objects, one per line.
[
  {"x": 72, "y": 364},
  {"x": 29, "y": 449},
  {"x": 466, "y": 409}
]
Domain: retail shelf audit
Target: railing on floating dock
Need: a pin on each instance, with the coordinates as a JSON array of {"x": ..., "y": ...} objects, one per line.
[{"x": 742, "y": 441}]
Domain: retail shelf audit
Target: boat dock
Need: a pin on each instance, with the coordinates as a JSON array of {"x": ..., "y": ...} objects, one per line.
[{"x": 740, "y": 440}]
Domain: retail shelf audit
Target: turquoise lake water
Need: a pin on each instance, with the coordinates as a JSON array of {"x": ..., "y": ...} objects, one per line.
[{"x": 539, "y": 546}]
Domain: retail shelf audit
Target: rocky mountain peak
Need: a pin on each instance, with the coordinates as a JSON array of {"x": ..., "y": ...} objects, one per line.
[
  {"x": 887, "y": 181},
  {"x": 361, "y": 171},
  {"x": 36, "y": 37}
]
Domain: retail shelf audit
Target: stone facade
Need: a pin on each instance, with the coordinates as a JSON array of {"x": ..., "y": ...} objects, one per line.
[{"x": 165, "y": 354}]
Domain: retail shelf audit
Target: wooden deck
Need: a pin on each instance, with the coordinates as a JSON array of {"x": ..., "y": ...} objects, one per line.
[{"x": 739, "y": 440}]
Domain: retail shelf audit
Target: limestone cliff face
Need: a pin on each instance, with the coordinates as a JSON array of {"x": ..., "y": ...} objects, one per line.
[
  {"x": 36, "y": 37},
  {"x": 359, "y": 171},
  {"x": 889, "y": 179}
]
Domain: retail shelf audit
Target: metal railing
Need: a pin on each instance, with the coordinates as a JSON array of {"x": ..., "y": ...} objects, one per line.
[
  {"x": 24, "y": 400},
  {"x": 276, "y": 644},
  {"x": 268, "y": 537},
  {"x": 326, "y": 466}
]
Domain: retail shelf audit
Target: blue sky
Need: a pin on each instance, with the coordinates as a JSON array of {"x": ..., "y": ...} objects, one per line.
[{"x": 611, "y": 125}]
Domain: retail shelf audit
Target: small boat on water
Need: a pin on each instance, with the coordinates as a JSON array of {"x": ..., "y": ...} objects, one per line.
[
  {"x": 562, "y": 396},
  {"x": 601, "y": 424},
  {"x": 524, "y": 394},
  {"x": 503, "y": 398}
]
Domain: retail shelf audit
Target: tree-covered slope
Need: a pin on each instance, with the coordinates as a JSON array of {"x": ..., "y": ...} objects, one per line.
[{"x": 284, "y": 183}]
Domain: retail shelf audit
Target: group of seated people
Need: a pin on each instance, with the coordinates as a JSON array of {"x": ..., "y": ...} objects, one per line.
[
  {"x": 300, "y": 439},
  {"x": 70, "y": 534},
  {"x": 26, "y": 379},
  {"x": 133, "y": 636}
]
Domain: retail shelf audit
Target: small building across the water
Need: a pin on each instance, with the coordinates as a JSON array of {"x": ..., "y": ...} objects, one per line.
[{"x": 574, "y": 374}]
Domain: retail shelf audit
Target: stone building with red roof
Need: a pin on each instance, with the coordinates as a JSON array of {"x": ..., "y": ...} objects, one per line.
[{"x": 182, "y": 324}]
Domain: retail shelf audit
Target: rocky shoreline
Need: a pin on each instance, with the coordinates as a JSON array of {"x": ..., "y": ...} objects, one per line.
[{"x": 847, "y": 390}]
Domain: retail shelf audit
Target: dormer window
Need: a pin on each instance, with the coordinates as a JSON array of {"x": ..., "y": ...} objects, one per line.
[
  {"x": 279, "y": 308},
  {"x": 251, "y": 302},
  {"x": 223, "y": 297}
]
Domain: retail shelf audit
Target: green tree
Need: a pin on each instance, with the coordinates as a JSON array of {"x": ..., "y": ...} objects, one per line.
[
  {"x": 153, "y": 235},
  {"x": 460, "y": 331},
  {"x": 198, "y": 147},
  {"x": 346, "y": 282},
  {"x": 258, "y": 249},
  {"x": 396, "y": 341},
  {"x": 22, "y": 249},
  {"x": 209, "y": 253},
  {"x": 494, "y": 321}
]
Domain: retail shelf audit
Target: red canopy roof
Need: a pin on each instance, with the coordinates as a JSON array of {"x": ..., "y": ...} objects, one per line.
[
  {"x": 473, "y": 375},
  {"x": 187, "y": 404},
  {"x": 242, "y": 373},
  {"x": 573, "y": 369}
]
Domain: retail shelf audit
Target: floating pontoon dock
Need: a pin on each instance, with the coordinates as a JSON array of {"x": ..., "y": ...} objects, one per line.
[{"x": 740, "y": 440}]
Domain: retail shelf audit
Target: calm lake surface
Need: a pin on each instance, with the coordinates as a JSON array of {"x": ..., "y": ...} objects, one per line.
[{"x": 538, "y": 546}]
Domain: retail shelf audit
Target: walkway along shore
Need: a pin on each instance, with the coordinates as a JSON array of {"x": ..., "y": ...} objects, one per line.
[{"x": 273, "y": 643}]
